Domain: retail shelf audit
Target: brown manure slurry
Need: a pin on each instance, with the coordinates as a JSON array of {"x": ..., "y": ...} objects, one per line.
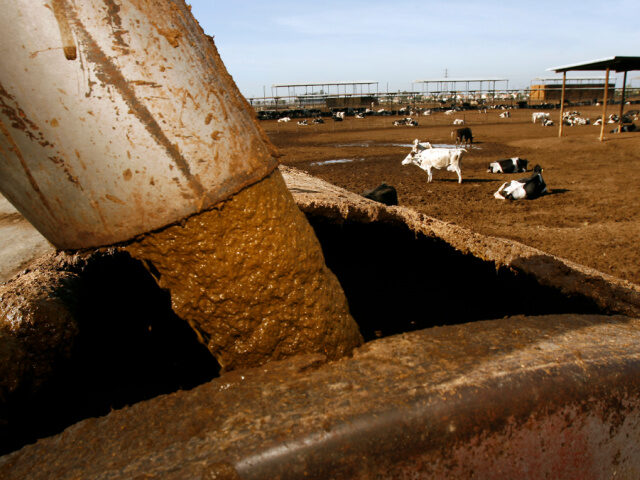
[{"x": 590, "y": 216}]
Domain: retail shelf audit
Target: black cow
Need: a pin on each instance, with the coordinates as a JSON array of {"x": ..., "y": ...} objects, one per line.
[
  {"x": 529, "y": 188},
  {"x": 463, "y": 135},
  {"x": 509, "y": 165},
  {"x": 625, "y": 128},
  {"x": 383, "y": 193}
]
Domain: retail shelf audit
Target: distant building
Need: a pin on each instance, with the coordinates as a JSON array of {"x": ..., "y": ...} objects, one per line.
[{"x": 576, "y": 89}]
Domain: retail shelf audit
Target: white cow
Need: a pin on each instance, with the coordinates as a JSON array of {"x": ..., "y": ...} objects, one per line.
[
  {"x": 428, "y": 158},
  {"x": 535, "y": 116},
  {"x": 284, "y": 120},
  {"x": 458, "y": 121},
  {"x": 449, "y": 112}
]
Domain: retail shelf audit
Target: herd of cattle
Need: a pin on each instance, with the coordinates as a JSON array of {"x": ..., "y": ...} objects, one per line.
[{"x": 427, "y": 157}]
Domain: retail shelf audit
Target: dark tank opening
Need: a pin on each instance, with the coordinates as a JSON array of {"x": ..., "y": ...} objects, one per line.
[
  {"x": 397, "y": 281},
  {"x": 130, "y": 347}
]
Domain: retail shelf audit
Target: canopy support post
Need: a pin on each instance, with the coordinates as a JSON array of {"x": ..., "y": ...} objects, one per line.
[
  {"x": 564, "y": 83},
  {"x": 604, "y": 105},
  {"x": 624, "y": 86}
]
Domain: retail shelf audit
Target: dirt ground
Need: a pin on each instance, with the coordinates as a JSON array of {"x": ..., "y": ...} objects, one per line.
[{"x": 591, "y": 214}]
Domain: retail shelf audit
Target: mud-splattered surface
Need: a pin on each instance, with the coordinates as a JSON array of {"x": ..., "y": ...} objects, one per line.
[
  {"x": 37, "y": 328},
  {"x": 250, "y": 278},
  {"x": 517, "y": 395},
  {"x": 592, "y": 216}
]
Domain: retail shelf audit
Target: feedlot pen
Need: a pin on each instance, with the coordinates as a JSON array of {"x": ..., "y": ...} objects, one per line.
[{"x": 591, "y": 216}]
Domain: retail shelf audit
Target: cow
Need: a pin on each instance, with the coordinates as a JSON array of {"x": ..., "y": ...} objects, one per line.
[
  {"x": 303, "y": 122},
  {"x": 506, "y": 114},
  {"x": 458, "y": 121},
  {"x": 284, "y": 120},
  {"x": 359, "y": 115},
  {"x": 409, "y": 122},
  {"x": 535, "y": 116},
  {"x": 509, "y": 165},
  {"x": 383, "y": 193},
  {"x": 547, "y": 122},
  {"x": 529, "y": 187},
  {"x": 449, "y": 158},
  {"x": 317, "y": 121},
  {"x": 630, "y": 127},
  {"x": 462, "y": 135}
]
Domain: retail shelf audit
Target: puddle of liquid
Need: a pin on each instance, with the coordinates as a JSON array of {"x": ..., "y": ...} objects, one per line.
[
  {"x": 434, "y": 145},
  {"x": 337, "y": 160},
  {"x": 403, "y": 145}
]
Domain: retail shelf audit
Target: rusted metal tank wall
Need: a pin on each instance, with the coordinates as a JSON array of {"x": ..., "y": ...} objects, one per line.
[
  {"x": 554, "y": 396},
  {"x": 117, "y": 117}
]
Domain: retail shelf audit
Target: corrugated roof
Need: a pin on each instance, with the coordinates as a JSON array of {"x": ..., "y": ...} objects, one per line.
[
  {"x": 618, "y": 64},
  {"x": 322, "y": 84}
]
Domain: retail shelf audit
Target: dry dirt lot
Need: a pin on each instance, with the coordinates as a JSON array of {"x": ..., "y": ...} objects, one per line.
[{"x": 591, "y": 215}]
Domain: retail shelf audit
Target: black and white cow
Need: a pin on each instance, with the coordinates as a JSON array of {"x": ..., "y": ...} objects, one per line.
[
  {"x": 529, "y": 188},
  {"x": 509, "y": 165},
  {"x": 408, "y": 122},
  {"x": 462, "y": 135}
]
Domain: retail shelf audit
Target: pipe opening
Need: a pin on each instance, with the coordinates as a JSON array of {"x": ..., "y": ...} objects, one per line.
[{"x": 398, "y": 281}]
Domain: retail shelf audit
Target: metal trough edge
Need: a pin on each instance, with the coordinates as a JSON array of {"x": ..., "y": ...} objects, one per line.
[{"x": 538, "y": 397}]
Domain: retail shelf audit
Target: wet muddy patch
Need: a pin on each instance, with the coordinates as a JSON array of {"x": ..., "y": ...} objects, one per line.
[{"x": 334, "y": 161}]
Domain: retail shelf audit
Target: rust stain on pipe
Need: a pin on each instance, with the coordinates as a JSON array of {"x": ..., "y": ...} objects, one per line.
[
  {"x": 113, "y": 17},
  {"x": 108, "y": 72},
  {"x": 68, "y": 44},
  {"x": 27, "y": 171}
]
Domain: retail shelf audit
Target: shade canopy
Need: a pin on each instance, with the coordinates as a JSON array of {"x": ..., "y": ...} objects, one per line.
[{"x": 618, "y": 64}]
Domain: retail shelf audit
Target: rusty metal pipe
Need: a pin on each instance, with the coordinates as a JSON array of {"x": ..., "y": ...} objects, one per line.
[{"x": 117, "y": 118}]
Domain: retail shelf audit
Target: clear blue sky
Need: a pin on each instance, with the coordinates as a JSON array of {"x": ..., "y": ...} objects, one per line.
[{"x": 396, "y": 42}]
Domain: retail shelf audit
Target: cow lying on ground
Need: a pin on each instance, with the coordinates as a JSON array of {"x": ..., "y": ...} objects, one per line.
[
  {"x": 509, "y": 165},
  {"x": 383, "y": 193},
  {"x": 317, "y": 121},
  {"x": 428, "y": 158},
  {"x": 284, "y": 120},
  {"x": 529, "y": 188},
  {"x": 462, "y": 135},
  {"x": 408, "y": 121},
  {"x": 625, "y": 128},
  {"x": 458, "y": 121}
]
